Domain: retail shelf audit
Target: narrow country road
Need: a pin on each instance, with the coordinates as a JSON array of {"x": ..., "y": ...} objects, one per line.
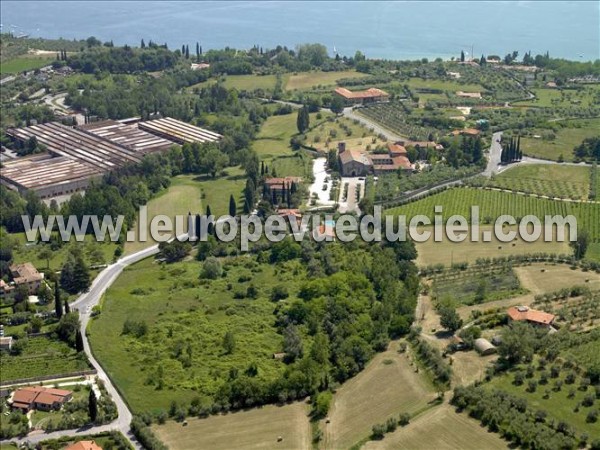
[
  {"x": 84, "y": 304},
  {"x": 495, "y": 153}
]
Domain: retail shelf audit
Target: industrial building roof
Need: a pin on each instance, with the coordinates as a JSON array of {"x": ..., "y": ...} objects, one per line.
[
  {"x": 40, "y": 170},
  {"x": 179, "y": 131},
  {"x": 85, "y": 147},
  {"x": 130, "y": 136}
]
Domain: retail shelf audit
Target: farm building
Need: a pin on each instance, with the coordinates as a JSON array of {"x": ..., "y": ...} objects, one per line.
[
  {"x": 5, "y": 289},
  {"x": 371, "y": 95},
  {"x": 532, "y": 316},
  {"x": 359, "y": 163},
  {"x": 484, "y": 347},
  {"x": 39, "y": 397},
  {"x": 278, "y": 186},
  {"x": 84, "y": 445}
]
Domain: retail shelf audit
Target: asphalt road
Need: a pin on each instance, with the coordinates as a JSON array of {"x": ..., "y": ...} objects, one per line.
[{"x": 84, "y": 304}]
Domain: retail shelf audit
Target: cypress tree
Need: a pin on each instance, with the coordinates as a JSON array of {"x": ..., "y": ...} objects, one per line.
[
  {"x": 78, "y": 341},
  {"x": 93, "y": 406},
  {"x": 210, "y": 228},
  {"x": 187, "y": 52},
  {"x": 57, "y": 302},
  {"x": 197, "y": 52},
  {"x": 182, "y": 50},
  {"x": 197, "y": 226},
  {"x": 143, "y": 44},
  {"x": 262, "y": 168},
  {"x": 67, "y": 307},
  {"x": 232, "y": 206},
  {"x": 303, "y": 120}
]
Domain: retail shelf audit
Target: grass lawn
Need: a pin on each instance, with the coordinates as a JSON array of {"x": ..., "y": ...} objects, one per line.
[
  {"x": 308, "y": 80},
  {"x": 256, "y": 428},
  {"x": 387, "y": 387},
  {"x": 189, "y": 193},
  {"x": 42, "y": 356},
  {"x": 565, "y": 141},
  {"x": 25, "y": 62},
  {"x": 593, "y": 252},
  {"x": 440, "y": 428},
  {"x": 180, "y": 309},
  {"x": 546, "y": 179},
  {"x": 558, "y": 405}
]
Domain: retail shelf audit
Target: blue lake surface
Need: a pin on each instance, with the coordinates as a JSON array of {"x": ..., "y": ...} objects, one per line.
[{"x": 395, "y": 30}]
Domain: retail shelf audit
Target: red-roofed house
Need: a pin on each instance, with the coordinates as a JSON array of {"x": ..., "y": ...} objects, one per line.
[
  {"x": 371, "y": 95},
  {"x": 532, "y": 316},
  {"x": 38, "y": 397},
  {"x": 84, "y": 445}
]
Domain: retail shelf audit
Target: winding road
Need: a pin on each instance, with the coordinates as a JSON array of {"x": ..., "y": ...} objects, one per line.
[{"x": 84, "y": 304}]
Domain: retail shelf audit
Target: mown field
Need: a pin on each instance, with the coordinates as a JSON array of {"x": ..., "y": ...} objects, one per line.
[
  {"x": 546, "y": 179},
  {"x": 179, "y": 311},
  {"x": 24, "y": 63},
  {"x": 387, "y": 387},
  {"x": 440, "y": 428},
  {"x": 189, "y": 193},
  {"x": 42, "y": 356},
  {"x": 447, "y": 252},
  {"x": 566, "y": 139},
  {"x": 308, "y": 80},
  {"x": 493, "y": 204},
  {"x": 255, "y": 428}
]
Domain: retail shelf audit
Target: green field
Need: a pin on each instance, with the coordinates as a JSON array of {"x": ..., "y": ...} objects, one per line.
[
  {"x": 42, "y": 356},
  {"x": 493, "y": 204},
  {"x": 93, "y": 252},
  {"x": 546, "y": 179},
  {"x": 179, "y": 310},
  {"x": 557, "y": 98},
  {"x": 189, "y": 193},
  {"x": 566, "y": 139},
  {"x": 23, "y": 63}
]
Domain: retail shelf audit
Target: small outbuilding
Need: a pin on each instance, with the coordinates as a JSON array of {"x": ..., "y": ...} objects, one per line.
[{"x": 484, "y": 347}]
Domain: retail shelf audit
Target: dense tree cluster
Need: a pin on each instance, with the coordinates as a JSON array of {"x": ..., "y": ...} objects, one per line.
[
  {"x": 122, "y": 59},
  {"x": 588, "y": 150}
]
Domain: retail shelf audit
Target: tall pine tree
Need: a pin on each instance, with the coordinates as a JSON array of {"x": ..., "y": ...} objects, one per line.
[
  {"x": 232, "y": 206},
  {"x": 78, "y": 341}
]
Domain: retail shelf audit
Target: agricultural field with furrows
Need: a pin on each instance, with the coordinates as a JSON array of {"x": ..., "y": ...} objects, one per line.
[
  {"x": 476, "y": 285},
  {"x": 41, "y": 356},
  {"x": 546, "y": 180},
  {"x": 584, "y": 96},
  {"x": 493, "y": 204}
]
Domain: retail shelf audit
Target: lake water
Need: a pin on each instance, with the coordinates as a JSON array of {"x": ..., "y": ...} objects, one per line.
[{"x": 398, "y": 30}]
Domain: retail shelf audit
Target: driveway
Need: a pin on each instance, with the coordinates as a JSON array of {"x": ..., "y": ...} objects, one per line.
[
  {"x": 320, "y": 175},
  {"x": 350, "y": 204}
]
